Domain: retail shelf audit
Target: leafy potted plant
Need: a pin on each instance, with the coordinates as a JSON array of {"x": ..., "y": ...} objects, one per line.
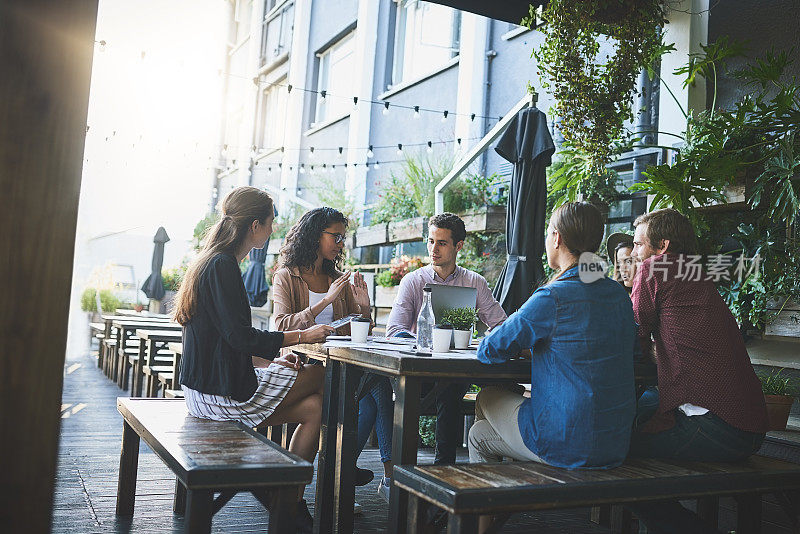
[
  {"x": 779, "y": 393},
  {"x": 462, "y": 319}
]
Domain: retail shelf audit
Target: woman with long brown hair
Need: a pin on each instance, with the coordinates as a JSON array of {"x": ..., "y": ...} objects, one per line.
[
  {"x": 230, "y": 370},
  {"x": 580, "y": 331},
  {"x": 310, "y": 288}
]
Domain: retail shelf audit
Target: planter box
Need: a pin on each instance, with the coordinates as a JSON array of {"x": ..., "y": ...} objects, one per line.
[
  {"x": 407, "y": 230},
  {"x": 488, "y": 219},
  {"x": 275, "y": 245},
  {"x": 384, "y": 296},
  {"x": 376, "y": 234},
  {"x": 787, "y": 322}
]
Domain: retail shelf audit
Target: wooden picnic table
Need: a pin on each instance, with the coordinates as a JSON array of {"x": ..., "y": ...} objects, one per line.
[
  {"x": 143, "y": 314},
  {"x": 151, "y": 341},
  {"x": 125, "y": 336},
  {"x": 108, "y": 335},
  {"x": 345, "y": 366}
]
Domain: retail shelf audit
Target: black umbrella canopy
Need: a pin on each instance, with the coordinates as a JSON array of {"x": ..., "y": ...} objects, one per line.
[
  {"x": 528, "y": 145},
  {"x": 512, "y": 11},
  {"x": 154, "y": 285}
]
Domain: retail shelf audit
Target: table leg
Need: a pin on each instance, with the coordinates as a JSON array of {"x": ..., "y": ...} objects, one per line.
[
  {"x": 135, "y": 385},
  {"x": 326, "y": 463},
  {"x": 199, "y": 511},
  {"x": 404, "y": 443},
  {"x": 128, "y": 466},
  {"x": 345, "y": 488}
]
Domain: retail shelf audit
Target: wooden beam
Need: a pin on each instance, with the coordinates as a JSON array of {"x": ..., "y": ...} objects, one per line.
[{"x": 46, "y": 49}]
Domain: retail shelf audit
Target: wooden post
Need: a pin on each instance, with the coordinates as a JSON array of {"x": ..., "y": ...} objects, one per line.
[{"x": 46, "y": 51}]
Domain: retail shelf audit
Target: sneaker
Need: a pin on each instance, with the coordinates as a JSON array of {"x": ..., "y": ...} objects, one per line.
[
  {"x": 384, "y": 487},
  {"x": 356, "y": 509},
  {"x": 304, "y": 523},
  {"x": 364, "y": 476}
]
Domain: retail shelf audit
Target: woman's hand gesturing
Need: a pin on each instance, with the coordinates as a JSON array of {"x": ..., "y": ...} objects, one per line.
[
  {"x": 360, "y": 293},
  {"x": 337, "y": 286}
]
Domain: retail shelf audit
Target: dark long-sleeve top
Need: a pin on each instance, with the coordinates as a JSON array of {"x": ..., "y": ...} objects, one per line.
[{"x": 219, "y": 341}]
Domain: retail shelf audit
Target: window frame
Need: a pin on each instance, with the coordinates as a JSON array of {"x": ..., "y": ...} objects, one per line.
[{"x": 323, "y": 77}]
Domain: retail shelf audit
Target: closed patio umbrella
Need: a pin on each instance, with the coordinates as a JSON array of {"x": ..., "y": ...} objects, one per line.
[
  {"x": 527, "y": 144},
  {"x": 255, "y": 279},
  {"x": 154, "y": 285}
]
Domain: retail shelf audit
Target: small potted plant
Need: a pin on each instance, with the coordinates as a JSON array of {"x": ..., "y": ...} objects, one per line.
[
  {"x": 462, "y": 319},
  {"x": 779, "y": 394}
]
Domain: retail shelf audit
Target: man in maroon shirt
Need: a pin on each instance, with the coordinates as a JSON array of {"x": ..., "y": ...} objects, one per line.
[{"x": 711, "y": 407}]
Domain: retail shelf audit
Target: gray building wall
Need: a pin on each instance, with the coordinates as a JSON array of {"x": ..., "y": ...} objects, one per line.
[{"x": 762, "y": 25}]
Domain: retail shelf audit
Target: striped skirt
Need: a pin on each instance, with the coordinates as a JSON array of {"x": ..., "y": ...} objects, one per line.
[{"x": 274, "y": 382}]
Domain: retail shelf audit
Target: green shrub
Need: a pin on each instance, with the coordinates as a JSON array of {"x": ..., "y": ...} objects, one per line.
[
  {"x": 173, "y": 277},
  {"x": 108, "y": 301},
  {"x": 774, "y": 383},
  {"x": 427, "y": 430}
]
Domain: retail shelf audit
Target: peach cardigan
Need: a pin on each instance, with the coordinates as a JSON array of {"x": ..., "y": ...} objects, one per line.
[{"x": 290, "y": 302}]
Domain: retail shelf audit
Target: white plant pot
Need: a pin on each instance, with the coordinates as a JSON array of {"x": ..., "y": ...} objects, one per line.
[{"x": 461, "y": 338}]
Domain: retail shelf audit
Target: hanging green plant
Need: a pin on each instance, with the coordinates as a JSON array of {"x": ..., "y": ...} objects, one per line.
[{"x": 594, "y": 94}]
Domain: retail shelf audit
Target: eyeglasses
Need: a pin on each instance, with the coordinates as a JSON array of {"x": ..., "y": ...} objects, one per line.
[{"x": 337, "y": 238}]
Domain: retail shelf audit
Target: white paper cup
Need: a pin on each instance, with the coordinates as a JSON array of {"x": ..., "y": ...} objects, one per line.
[
  {"x": 461, "y": 338},
  {"x": 359, "y": 330},
  {"x": 441, "y": 339}
]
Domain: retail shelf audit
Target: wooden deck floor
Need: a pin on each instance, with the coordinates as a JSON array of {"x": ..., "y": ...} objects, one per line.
[{"x": 88, "y": 462}]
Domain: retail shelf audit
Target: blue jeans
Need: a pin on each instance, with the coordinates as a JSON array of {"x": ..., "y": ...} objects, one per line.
[
  {"x": 700, "y": 438},
  {"x": 377, "y": 408}
]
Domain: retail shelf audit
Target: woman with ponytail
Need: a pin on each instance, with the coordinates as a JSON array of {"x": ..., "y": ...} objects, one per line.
[
  {"x": 231, "y": 371},
  {"x": 580, "y": 332}
]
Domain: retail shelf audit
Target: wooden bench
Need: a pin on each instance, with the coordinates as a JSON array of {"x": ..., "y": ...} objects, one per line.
[
  {"x": 207, "y": 457},
  {"x": 466, "y": 491}
]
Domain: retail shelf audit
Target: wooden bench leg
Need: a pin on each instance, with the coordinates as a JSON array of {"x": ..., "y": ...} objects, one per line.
[
  {"x": 748, "y": 513},
  {"x": 601, "y": 515},
  {"x": 199, "y": 511},
  {"x": 708, "y": 510},
  {"x": 621, "y": 519},
  {"x": 417, "y": 514},
  {"x": 283, "y": 510},
  {"x": 128, "y": 465},
  {"x": 462, "y": 524},
  {"x": 179, "y": 500}
]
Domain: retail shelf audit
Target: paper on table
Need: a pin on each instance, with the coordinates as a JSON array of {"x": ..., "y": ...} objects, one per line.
[{"x": 375, "y": 346}]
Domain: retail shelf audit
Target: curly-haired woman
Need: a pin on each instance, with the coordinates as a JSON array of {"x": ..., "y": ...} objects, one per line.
[
  {"x": 230, "y": 370},
  {"x": 309, "y": 289}
]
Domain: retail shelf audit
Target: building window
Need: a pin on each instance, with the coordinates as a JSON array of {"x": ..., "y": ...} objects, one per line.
[
  {"x": 276, "y": 31},
  {"x": 272, "y": 116},
  {"x": 242, "y": 18},
  {"x": 336, "y": 66},
  {"x": 426, "y": 36}
]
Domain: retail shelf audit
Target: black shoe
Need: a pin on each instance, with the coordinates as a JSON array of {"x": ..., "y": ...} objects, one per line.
[
  {"x": 363, "y": 476},
  {"x": 304, "y": 523}
]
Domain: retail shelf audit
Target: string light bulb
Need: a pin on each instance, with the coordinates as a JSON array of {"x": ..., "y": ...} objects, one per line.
[
  {"x": 370, "y": 153},
  {"x": 430, "y": 147},
  {"x": 302, "y": 168},
  {"x": 311, "y": 153},
  {"x": 341, "y": 149},
  {"x": 444, "y": 115},
  {"x": 399, "y": 149},
  {"x": 386, "y": 108},
  {"x": 416, "y": 112}
]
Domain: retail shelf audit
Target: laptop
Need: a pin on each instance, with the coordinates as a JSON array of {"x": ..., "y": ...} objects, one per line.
[{"x": 445, "y": 298}]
